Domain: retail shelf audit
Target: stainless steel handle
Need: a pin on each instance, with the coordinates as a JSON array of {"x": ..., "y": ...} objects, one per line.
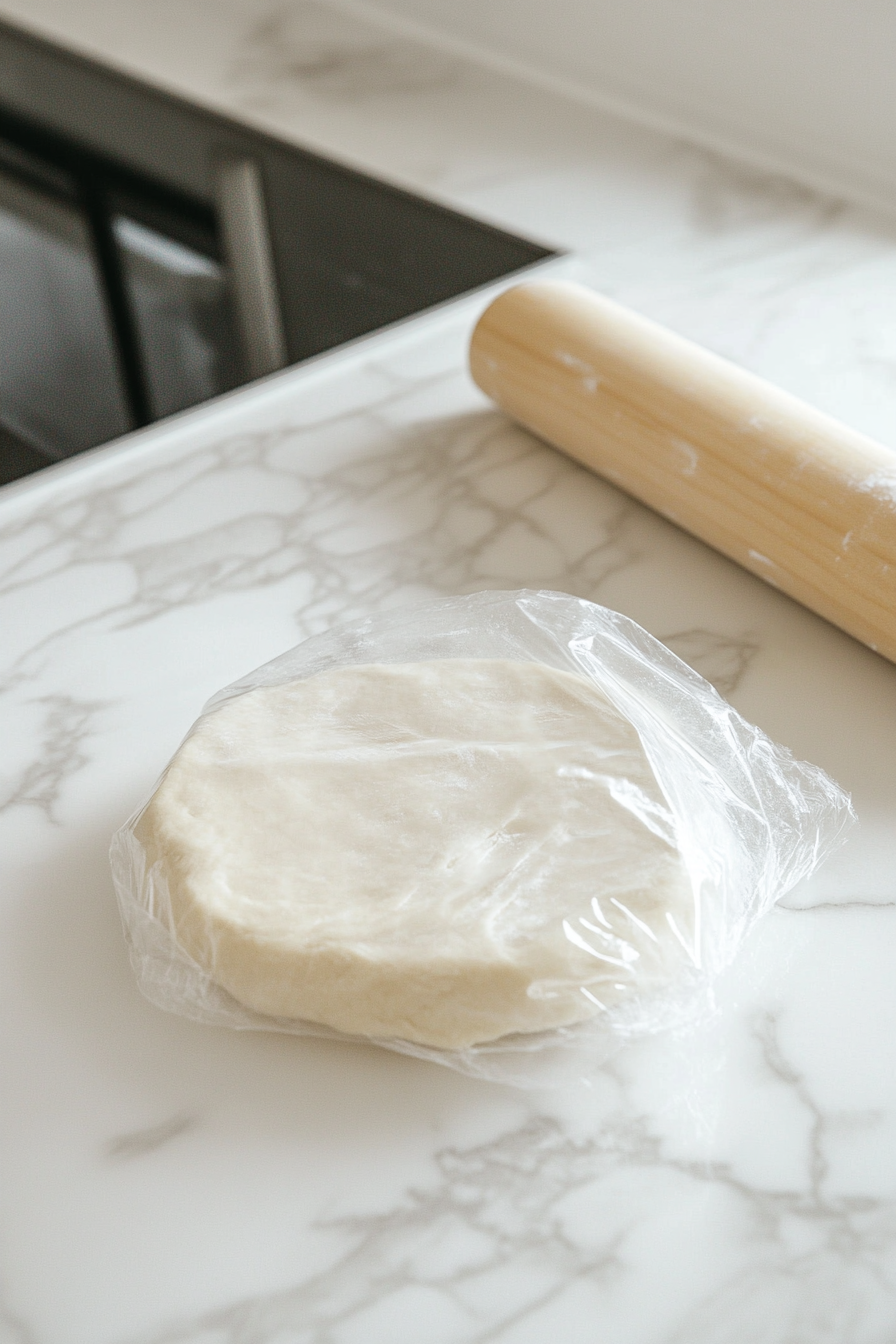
[{"x": 247, "y": 249}]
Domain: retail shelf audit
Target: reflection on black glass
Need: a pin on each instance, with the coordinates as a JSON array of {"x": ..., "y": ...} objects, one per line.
[
  {"x": 181, "y": 307},
  {"x": 60, "y": 390}
]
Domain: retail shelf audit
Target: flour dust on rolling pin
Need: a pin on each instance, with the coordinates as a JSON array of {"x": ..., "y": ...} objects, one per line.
[{"x": 793, "y": 495}]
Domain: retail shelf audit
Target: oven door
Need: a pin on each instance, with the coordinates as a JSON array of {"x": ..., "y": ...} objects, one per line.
[
  {"x": 114, "y": 311},
  {"x": 60, "y": 383}
]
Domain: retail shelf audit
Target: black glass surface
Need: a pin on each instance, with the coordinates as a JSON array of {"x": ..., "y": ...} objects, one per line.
[{"x": 124, "y": 295}]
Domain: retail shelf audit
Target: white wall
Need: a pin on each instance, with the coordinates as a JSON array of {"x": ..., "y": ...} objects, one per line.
[{"x": 804, "y": 85}]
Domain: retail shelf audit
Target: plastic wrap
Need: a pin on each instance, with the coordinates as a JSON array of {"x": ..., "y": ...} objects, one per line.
[{"x": 717, "y": 801}]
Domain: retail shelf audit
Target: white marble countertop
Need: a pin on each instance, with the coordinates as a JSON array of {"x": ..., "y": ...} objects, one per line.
[{"x": 169, "y": 1182}]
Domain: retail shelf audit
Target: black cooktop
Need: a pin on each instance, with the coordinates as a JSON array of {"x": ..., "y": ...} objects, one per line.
[{"x": 154, "y": 254}]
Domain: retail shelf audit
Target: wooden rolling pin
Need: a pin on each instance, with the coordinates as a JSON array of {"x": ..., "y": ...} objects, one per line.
[{"x": 789, "y": 493}]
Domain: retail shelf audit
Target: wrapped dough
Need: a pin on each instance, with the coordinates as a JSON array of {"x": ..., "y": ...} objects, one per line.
[
  {"x": 495, "y": 823},
  {"x": 446, "y": 852}
]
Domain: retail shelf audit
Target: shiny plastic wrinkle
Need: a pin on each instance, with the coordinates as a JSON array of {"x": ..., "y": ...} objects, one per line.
[{"x": 595, "y": 832}]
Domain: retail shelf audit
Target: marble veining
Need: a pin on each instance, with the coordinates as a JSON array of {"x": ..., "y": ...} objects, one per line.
[
  {"x": 125, "y": 1147},
  {"x": 508, "y": 1213},
  {"x": 67, "y": 725},
  {"x": 458, "y": 504},
  {"x": 332, "y": 513},
  {"x": 437, "y": 494},
  {"x": 464, "y": 503},
  {"x": 723, "y": 662},
  {"x": 334, "y": 57},
  {"x": 173, "y": 1184}
]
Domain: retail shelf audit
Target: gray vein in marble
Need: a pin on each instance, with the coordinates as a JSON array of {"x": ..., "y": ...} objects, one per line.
[
  {"x": 727, "y": 197},
  {"x": 141, "y": 1141},
  {"x": 499, "y": 1198},
  {"x": 447, "y": 505},
  {"x": 510, "y": 1202},
  {"x": 488, "y": 1250},
  {"x": 67, "y": 725},
  {"x": 451, "y": 505},
  {"x": 766, "y": 1031},
  {"x": 847, "y": 1243},
  {"x": 333, "y": 57},
  {"x": 767, "y": 224},
  {"x": 723, "y": 661},
  {"x": 459, "y": 504},
  {"x": 804, "y": 1288}
]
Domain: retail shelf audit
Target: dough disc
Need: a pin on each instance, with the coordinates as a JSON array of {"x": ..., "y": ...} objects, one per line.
[{"x": 441, "y": 852}]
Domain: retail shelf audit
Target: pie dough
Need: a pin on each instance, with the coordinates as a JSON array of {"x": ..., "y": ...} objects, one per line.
[{"x": 441, "y": 852}]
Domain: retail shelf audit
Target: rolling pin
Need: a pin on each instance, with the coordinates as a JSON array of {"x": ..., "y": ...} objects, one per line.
[{"x": 791, "y": 494}]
